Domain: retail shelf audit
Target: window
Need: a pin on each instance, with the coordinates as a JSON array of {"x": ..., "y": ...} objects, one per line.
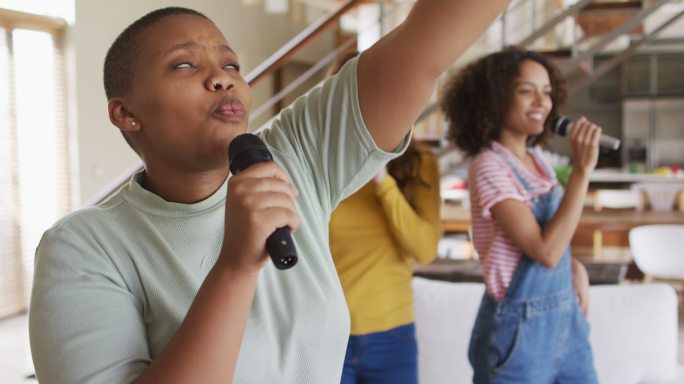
[{"x": 34, "y": 155}]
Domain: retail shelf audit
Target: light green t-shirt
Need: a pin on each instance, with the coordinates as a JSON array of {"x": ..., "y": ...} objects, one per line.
[{"x": 113, "y": 283}]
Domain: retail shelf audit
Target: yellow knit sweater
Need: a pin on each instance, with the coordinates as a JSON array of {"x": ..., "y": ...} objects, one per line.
[{"x": 375, "y": 238}]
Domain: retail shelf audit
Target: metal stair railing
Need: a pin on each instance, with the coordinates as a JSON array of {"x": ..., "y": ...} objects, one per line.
[
  {"x": 554, "y": 21},
  {"x": 629, "y": 25},
  {"x": 618, "y": 59}
]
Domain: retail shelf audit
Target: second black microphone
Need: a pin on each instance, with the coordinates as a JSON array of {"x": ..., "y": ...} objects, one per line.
[{"x": 248, "y": 149}]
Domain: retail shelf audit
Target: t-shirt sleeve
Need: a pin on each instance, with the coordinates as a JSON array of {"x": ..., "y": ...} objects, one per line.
[
  {"x": 491, "y": 182},
  {"x": 324, "y": 135},
  {"x": 78, "y": 301}
]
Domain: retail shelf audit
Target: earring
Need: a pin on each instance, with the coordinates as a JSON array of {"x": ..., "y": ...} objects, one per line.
[{"x": 133, "y": 123}]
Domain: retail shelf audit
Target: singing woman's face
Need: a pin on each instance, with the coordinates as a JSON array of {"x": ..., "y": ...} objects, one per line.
[
  {"x": 188, "y": 95},
  {"x": 531, "y": 102}
]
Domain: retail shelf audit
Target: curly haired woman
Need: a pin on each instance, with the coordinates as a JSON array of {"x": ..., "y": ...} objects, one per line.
[{"x": 531, "y": 325}]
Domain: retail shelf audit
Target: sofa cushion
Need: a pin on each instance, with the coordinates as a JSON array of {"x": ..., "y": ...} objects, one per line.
[
  {"x": 445, "y": 313},
  {"x": 633, "y": 331}
]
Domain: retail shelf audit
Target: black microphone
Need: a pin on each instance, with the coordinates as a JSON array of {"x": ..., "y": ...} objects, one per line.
[
  {"x": 248, "y": 149},
  {"x": 562, "y": 126}
]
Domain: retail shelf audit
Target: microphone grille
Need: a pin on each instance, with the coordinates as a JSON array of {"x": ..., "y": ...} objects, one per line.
[
  {"x": 246, "y": 149},
  {"x": 561, "y": 125}
]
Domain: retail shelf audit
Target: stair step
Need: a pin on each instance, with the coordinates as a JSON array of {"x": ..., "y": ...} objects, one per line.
[
  {"x": 595, "y": 24},
  {"x": 599, "y": 18},
  {"x": 612, "y": 6},
  {"x": 561, "y": 53}
]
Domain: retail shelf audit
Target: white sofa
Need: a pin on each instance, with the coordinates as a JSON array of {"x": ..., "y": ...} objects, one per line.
[{"x": 633, "y": 331}]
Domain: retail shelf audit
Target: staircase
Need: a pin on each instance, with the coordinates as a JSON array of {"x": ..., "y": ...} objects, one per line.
[
  {"x": 621, "y": 27},
  {"x": 572, "y": 32}
]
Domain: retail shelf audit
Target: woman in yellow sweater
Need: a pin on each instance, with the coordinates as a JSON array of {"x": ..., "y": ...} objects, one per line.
[{"x": 376, "y": 235}]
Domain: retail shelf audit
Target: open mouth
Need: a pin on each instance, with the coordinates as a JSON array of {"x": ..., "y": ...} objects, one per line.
[{"x": 536, "y": 116}]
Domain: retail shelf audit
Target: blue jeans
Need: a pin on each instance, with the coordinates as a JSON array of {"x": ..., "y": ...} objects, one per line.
[{"x": 383, "y": 357}]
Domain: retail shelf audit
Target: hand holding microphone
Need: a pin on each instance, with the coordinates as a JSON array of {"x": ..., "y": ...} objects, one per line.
[
  {"x": 244, "y": 151},
  {"x": 563, "y": 125},
  {"x": 584, "y": 140}
]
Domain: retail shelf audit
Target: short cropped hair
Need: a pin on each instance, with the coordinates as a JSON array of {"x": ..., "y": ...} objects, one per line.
[
  {"x": 477, "y": 99},
  {"x": 122, "y": 56}
]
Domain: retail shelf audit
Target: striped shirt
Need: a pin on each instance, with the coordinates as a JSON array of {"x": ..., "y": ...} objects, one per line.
[{"x": 491, "y": 181}]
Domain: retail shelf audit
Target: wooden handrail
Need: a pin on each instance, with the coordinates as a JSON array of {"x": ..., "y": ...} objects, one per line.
[
  {"x": 292, "y": 85},
  {"x": 310, "y": 33}
]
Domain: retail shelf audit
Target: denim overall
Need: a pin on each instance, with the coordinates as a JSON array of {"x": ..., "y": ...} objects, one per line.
[{"x": 536, "y": 333}]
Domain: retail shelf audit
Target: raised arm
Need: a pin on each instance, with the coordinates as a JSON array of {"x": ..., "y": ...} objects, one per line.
[{"x": 397, "y": 75}]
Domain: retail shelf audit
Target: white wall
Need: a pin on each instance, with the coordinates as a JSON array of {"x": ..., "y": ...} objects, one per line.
[{"x": 102, "y": 153}]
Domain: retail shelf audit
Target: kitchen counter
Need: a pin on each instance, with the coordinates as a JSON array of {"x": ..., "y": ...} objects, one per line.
[
  {"x": 613, "y": 224},
  {"x": 608, "y": 175}
]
